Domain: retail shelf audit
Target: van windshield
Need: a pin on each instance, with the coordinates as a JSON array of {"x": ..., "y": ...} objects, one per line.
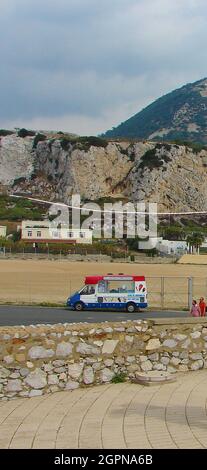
[{"x": 87, "y": 290}]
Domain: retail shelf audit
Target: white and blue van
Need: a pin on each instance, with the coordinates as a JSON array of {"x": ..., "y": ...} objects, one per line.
[{"x": 111, "y": 292}]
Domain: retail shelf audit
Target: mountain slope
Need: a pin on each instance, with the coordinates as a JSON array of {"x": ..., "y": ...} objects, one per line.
[{"x": 179, "y": 115}]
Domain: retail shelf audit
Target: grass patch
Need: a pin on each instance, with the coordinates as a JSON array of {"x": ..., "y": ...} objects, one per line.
[
  {"x": 119, "y": 378},
  {"x": 34, "y": 304},
  {"x": 12, "y": 209}
]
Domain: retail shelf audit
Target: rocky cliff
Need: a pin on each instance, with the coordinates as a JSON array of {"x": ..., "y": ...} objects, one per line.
[{"x": 172, "y": 175}]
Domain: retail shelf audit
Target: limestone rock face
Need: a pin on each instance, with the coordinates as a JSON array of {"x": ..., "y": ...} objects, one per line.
[
  {"x": 174, "y": 176},
  {"x": 16, "y": 158}
]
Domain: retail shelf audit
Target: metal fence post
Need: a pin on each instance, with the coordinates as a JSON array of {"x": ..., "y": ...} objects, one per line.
[
  {"x": 162, "y": 292},
  {"x": 190, "y": 291}
]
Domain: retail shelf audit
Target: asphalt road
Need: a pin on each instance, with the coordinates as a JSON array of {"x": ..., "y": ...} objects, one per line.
[{"x": 27, "y": 315}]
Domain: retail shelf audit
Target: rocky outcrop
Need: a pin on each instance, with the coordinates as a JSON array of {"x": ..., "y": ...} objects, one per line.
[
  {"x": 16, "y": 159},
  {"x": 172, "y": 175}
]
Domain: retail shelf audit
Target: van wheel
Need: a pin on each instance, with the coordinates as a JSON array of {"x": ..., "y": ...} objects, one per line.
[
  {"x": 79, "y": 306},
  {"x": 131, "y": 307}
]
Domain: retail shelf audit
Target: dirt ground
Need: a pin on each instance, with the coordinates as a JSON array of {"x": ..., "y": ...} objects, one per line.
[
  {"x": 193, "y": 259},
  {"x": 53, "y": 281}
]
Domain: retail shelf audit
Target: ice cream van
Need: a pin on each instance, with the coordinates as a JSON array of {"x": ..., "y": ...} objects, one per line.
[{"x": 111, "y": 292}]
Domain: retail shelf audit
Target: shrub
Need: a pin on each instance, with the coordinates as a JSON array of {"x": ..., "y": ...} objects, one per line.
[
  {"x": 132, "y": 156},
  {"x": 65, "y": 143},
  {"x": 118, "y": 254},
  {"x": 152, "y": 252},
  {"x": 5, "y": 132},
  {"x": 118, "y": 378},
  {"x": 22, "y": 179},
  {"x": 151, "y": 159},
  {"x": 25, "y": 133},
  {"x": 38, "y": 138},
  {"x": 195, "y": 146},
  {"x": 16, "y": 236},
  {"x": 95, "y": 141}
]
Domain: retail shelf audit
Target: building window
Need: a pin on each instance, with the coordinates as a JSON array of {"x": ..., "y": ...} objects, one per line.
[
  {"x": 38, "y": 233},
  {"x": 70, "y": 235},
  {"x": 29, "y": 233},
  {"x": 56, "y": 234}
]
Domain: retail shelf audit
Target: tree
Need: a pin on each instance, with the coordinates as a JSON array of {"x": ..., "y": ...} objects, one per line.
[
  {"x": 173, "y": 232},
  {"x": 16, "y": 236},
  {"x": 195, "y": 240}
]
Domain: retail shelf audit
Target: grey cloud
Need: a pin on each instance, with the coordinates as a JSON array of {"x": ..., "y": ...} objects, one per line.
[{"x": 86, "y": 57}]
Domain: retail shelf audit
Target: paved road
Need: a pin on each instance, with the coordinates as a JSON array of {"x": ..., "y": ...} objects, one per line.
[
  {"x": 27, "y": 315},
  {"x": 111, "y": 416}
]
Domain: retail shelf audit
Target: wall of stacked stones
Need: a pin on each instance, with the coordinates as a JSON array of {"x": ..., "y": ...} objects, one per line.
[{"x": 41, "y": 359}]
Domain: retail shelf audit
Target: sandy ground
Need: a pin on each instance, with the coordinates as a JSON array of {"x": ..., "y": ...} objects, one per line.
[
  {"x": 193, "y": 259},
  {"x": 53, "y": 281}
]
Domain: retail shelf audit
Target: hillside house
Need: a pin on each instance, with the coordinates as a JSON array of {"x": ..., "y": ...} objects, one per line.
[{"x": 43, "y": 232}]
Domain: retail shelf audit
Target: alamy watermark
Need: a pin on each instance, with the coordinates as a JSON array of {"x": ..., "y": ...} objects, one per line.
[{"x": 113, "y": 220}]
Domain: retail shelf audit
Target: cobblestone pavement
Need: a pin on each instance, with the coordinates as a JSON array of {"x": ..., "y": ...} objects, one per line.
[{"x": 108, "y": 416}]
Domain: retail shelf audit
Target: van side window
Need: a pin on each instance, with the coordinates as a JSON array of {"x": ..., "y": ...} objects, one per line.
[
  {"x": 121, "y": 287},
  {"x": 102, "y": 287}
]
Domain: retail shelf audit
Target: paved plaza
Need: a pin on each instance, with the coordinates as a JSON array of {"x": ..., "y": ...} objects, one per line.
[{"x": 111, "y": 416}]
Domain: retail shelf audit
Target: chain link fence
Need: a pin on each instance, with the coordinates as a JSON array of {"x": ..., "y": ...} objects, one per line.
[
  {"x": 54, "y": 288},
  {"x": 169, "y": 292}
]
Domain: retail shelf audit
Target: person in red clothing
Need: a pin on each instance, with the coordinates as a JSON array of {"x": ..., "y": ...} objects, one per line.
[{"x": 202, "y": 306}]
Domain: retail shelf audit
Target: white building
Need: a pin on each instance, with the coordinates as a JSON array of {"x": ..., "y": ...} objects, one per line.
[
  {"x": 166, "y": 247},
  {"x": 44, "y": 232},
  {"x": 3, "y": 229},
  {"x": 169, "y": 247},
  {"x": 204, "y": 244}
]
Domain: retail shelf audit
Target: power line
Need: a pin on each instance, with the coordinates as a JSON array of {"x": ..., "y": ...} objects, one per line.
[{"x": 107, "y": 211}]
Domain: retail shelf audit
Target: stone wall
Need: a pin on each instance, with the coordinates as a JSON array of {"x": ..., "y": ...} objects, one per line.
[{"x": 41, "y": 359}]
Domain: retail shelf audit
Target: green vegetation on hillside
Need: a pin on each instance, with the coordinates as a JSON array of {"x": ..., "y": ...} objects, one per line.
[
  {"x": 195, "y": 146},
  {"x": 152, "y": 159},
  {"x": 12, "y": 209},
  {"x": 83, "y": 143},
  {"x": 5, "y": 132},
  {"x": 173, "y": 111},
  {"x": 25, "y": 133}
]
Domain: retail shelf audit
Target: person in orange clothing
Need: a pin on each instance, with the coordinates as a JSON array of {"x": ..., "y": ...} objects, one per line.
[{"x": 202, "y": 306}]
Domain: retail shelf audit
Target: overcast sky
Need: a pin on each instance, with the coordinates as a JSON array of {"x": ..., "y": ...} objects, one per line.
[{"x": 86, "y": 65}]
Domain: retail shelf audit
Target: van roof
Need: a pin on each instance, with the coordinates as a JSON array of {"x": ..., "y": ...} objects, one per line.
[{"x": 113, "y": 277}]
